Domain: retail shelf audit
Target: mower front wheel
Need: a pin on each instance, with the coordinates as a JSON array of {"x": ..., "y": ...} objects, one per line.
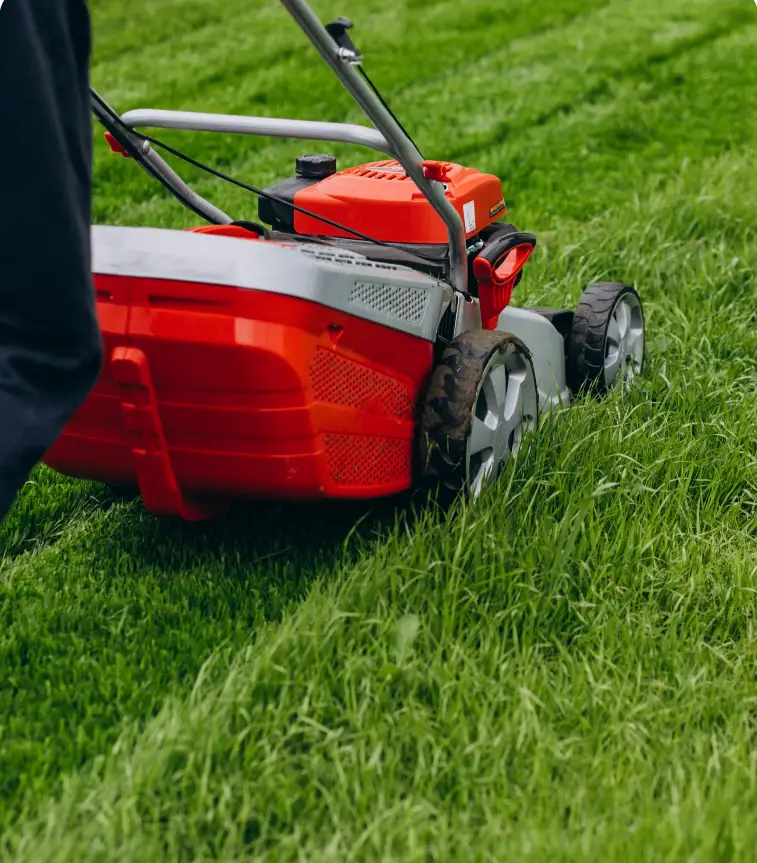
[
  {"x": 606, "y": 342},
  {"x": 481, "y": 403}
]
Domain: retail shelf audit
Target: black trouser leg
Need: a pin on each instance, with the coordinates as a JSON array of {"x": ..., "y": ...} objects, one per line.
[{"x": 50, "y": 347}]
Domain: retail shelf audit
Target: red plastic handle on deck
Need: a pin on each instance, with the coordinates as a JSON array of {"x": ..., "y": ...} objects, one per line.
[{"x": 496, "y": 269}]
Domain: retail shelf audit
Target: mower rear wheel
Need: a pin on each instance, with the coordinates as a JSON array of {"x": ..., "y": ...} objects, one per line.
[
  {"x": 606, "y": 342},
  {"x": 481, "y": 403}
]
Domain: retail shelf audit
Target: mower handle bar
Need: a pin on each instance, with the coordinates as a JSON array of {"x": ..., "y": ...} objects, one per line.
[
  {"x": 387, "y": 137},
  {"x": 305, "y": 130}
]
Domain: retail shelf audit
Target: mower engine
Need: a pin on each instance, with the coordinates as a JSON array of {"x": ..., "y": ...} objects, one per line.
[{"x": 382, "y": 197}]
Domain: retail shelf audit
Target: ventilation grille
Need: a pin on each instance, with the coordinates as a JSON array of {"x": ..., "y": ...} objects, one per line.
[
  {"x": 405, "y": 304},
  {"x": 336, "y": 256},
  {"x": 330, "y": 254},
  {"x": 339, "y": 381},
  {"x": 390, "y": 170},
  {"x": 368, "y": 461}
]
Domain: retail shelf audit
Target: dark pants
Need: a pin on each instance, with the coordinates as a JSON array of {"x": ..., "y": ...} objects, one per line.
[{"x": 50, "y": 348}]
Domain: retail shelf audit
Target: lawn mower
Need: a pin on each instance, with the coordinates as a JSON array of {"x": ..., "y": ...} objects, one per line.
[{"x": 356, "y": 341}]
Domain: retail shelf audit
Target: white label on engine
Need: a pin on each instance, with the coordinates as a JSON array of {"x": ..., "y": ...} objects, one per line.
[{"x": 469, "y": 212}]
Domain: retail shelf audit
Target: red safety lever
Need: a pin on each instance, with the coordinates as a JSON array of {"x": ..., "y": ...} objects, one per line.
[
  {"x": 496, "y": 269},
  {"x": 116, "y": 147},
  {"x": 438, "y": 171}
]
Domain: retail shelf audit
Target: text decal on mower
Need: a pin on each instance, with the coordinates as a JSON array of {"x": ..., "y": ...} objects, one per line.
[{"x": 469, "y": 212}]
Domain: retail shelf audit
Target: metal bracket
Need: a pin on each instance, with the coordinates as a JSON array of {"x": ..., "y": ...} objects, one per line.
[{"x": 347, "y": 50}]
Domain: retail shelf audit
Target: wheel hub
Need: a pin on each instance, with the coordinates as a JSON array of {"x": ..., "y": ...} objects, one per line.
[
  {"x": 624, "y": 345},
  {"x": 505, "y": 410}
]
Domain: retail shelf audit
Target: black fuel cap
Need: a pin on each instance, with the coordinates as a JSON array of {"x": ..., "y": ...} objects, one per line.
[{"x": 315, "y": 166}]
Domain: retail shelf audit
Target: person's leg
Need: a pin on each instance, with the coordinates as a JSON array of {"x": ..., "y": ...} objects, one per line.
[{"x": 50, "y": 347}]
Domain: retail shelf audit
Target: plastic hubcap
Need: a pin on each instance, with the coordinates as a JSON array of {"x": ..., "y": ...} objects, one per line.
[
  {"x": 624, "y": 344},
  {"x": 505, "y": 410}
]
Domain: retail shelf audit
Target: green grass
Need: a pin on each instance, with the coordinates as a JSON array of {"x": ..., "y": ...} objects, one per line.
[{"x": 564, "y": 672}]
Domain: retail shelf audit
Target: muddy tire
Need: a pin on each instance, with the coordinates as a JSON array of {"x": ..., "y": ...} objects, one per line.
[{"x": 480, "y": 403}]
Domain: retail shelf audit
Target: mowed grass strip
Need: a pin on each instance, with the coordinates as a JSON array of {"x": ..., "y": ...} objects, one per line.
[{"x": 564, "y": 668}]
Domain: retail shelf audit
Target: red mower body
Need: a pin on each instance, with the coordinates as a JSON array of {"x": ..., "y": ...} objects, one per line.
[{"x": 213, "y": 390}]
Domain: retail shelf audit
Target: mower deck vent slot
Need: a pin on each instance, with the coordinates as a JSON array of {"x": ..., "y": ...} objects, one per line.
[
  {"x": 405, "y": 304},
  {"x": 338, "y": 380},
  {"x": 330, "y": 256},
  {"x": 159, "y": 301},
  {"x": 368, "y": 461},
  {"x": 390, "y": 170}
]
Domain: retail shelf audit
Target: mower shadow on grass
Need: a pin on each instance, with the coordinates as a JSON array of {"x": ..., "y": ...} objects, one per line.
[{"x": 296, "y": 535}]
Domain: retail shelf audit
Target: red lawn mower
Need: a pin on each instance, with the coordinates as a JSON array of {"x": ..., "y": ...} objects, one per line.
[{"x": 358, "y": 343}]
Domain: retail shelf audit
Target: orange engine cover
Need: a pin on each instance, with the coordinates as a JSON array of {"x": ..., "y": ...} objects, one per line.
[{"x": 381, "y": 200}]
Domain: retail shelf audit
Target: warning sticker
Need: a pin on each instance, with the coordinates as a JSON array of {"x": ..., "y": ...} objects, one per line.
[
  {"x": 497, "y": 209},
  {"x": 469, "y": 212}
]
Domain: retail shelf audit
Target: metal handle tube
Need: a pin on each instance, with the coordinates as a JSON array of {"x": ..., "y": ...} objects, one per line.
[
  {"x": 182, "y": 190},
  {"x": 152, "y": 163},
  {"x": 403, "y": 149},
  {"x": 306, "y": 130}
]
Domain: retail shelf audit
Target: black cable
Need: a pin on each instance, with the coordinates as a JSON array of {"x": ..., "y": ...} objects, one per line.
[
  {"x": 105, "y": 108},
  {"x": 263, "y": 194},
  {"x": 127, "y": 138},
  {"x": 386, "y": 106},
  {"x": 129, "y": 131}
]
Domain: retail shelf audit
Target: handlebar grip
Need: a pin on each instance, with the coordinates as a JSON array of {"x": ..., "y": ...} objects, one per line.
[
  {"x": 496, "y": 268},
  {"x": 501, "y": 247}
]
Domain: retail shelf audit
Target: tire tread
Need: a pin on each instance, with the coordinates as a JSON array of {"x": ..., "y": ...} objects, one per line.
[{"x": 586, "y": 343}]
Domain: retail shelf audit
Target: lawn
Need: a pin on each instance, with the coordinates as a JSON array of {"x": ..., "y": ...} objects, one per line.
[{"x": 567, "y": 670}]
